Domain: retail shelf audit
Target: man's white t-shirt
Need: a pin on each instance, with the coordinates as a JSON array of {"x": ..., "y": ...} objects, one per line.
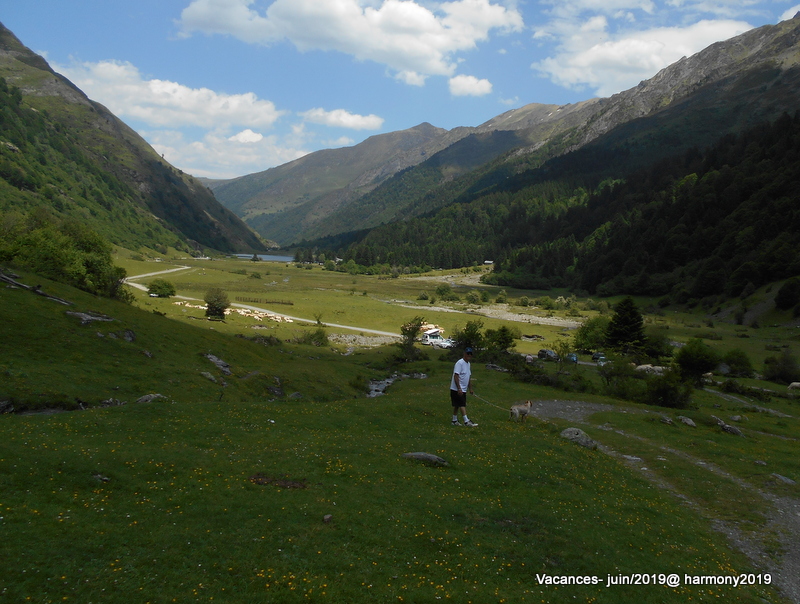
[{"x": 464, "y": 371}]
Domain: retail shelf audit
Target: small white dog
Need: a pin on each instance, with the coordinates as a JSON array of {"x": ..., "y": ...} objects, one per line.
[{"x": 520, "y": 411}]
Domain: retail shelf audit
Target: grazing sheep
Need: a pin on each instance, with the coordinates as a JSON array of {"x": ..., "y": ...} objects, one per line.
[{"x": 794, "y": 386}]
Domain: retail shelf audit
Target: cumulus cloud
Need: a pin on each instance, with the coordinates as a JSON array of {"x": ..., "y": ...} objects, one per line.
[
  {"x": 340, "y": 118},
  {"x": 247, "y": 136},
  {"x": 206, "y": 133},
  {"x": 790, "y": 13},
  {"x": 404, "y": 35},
  {"x": 595, "y": 60},
  {"x": 464, "y": 85},
  {"x": 216, "y": 156},
  {"x": 120, "y": 87}
]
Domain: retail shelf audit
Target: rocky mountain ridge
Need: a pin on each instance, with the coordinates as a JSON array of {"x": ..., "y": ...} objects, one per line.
[{"x": 726, "y": 73}]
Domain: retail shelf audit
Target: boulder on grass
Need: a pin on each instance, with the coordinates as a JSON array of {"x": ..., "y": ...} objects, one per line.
[
  {"x": 428, "y": 458},
  {"x": 579, "y": 437}
]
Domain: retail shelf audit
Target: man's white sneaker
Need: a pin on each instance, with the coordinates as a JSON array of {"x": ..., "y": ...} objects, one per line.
[
  {"x": 471, "y": 424},
  {"x": 455, "y": 422}
]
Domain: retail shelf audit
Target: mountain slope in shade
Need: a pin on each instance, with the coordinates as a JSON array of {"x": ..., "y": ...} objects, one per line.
[{"x": 102, "y": 157}]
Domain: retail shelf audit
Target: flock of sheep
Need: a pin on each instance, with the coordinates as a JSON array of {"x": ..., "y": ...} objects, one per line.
[{"x": 258, "y": 315}]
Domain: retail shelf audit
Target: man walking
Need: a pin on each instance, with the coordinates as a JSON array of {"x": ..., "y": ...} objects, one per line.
[{"x": 459, "y": 384}]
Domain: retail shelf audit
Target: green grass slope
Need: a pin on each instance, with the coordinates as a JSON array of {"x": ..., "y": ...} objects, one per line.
[
  {"x": 236, "y": 494},
  {"x": 273, "y": 502},
  {"x": 51, "y": 358}
]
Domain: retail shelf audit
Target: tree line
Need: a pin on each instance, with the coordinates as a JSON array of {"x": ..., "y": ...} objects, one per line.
[{"x": 719, "y": 221}]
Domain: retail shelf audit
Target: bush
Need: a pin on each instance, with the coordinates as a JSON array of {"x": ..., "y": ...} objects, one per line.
[
  {"x": 470, "y": 336},
  {"x": 317, "y": 337},
  {"x": 216, "y": 303},
  {"x": 738, "y": 362},
  {"x": 501, "y": 339},
  {"x": 734, "y": 387},
  {"x": 410, "y": 332},
  {"x": 446, "y": 293},
  {"x": 65, "y": 251},
  {"x": 161, "y": 288},
  {"x": 667, "y": 391},
  {"x": 695, "y": 359},
  {"x": 783, "y": 369},
  {"x": 591, "y": 335}
]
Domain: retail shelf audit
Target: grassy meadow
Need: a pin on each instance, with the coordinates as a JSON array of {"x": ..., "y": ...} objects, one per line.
[{"x": 287, "y": 484}]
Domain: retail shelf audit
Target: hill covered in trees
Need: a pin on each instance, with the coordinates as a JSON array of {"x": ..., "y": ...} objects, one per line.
[
  {"x": 716, "y": 221},
  {"x": 62, "y": 152}
]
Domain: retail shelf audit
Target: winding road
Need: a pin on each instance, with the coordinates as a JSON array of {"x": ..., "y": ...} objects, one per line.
[{"x": 141, "y": 287}]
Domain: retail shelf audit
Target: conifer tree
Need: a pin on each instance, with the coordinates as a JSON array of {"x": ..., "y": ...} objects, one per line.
[{"x": 625, "y": 332}]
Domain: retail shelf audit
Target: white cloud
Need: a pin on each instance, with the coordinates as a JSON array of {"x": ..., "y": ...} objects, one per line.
[
  {"x": 510, "y": 102},
  {"x": 790, "y": 13},
  {"x": 572, "y": 9},
  {"x": 463, "y": 85},
  {"x": 247, "y": 136},
  {"x": 217, "y": 156},
  {"x": 342, "y": 141},
  {"x": 194, "y": 128},
  {"x": 340, "y": 118},
  {"x": 608, "y": 65},
  {"x": 404, "y": 35},
  {"x": 120, "y": 87}
]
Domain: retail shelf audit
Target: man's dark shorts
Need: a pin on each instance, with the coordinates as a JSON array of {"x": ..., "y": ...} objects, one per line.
[{"x": 458, "y": 399}]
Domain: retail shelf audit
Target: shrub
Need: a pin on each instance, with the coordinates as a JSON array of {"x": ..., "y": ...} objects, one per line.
[
  {"x": 216, "y": 303},
  {"x": 591, "y": 335},
  {"x": 316, "y": 337},
  {"x": 667, "y": 390},
  {"x": 695, "y": 359},
  {"x": 470, "y": 336},
  {"x": 739, "y": 363},
  {"x": 65, "y": 251},
  {"x": 410, "y": 332},
  {"x": 161, "y": 288},
  {"x": 782, "y": 369},
  {"x": 501, "y": 339}
]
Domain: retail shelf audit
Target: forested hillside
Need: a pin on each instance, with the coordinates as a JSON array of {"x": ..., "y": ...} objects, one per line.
[
  {"x": 716, "y": 221},
  {"x": 43, "y": 166},
  {"x": 61, "y": 151}
]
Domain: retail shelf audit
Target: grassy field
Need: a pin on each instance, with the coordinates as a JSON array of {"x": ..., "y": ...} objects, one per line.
[{"x": 221, "y": 492}]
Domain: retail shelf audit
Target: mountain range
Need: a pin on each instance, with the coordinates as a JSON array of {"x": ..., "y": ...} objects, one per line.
[
  {"x": 61, "y": 151},
  {"x": 550, "y": 193},
  {"x": 726, "y": 88}
]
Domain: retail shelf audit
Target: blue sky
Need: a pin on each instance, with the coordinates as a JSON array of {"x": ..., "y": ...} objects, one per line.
[{"x": 229, "y": 87}]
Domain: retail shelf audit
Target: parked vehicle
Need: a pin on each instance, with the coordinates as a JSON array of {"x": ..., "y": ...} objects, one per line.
[
  {"x": 597, "y": 355},
  {"x": 572, "y": 357},
  {"x": 433, "y": 337},
  {"x": 548, "y": 355}
]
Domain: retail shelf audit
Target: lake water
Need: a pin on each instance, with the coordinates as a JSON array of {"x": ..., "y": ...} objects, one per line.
[{"x": 268, "y": 257}]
